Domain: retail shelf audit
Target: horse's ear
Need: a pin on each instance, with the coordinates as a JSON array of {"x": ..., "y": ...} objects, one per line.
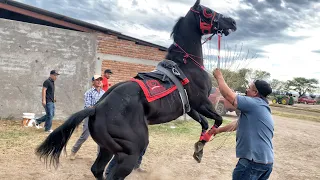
[{"x": 196, "y": 4}]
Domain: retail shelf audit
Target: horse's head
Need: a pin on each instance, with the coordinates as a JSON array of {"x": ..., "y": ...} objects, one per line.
[
  {"x": 188, "y": 30},
  {"x": 212, "y": 22}
]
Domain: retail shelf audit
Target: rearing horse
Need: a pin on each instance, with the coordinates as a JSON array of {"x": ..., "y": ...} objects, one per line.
[{"x": 118, "y": 123}]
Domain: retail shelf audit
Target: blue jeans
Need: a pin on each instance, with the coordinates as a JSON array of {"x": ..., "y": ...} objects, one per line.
[
  {"x": 113, "y": 162},
  {"x": 249, "y": 170},
  {"x": 50, "y": 107}
]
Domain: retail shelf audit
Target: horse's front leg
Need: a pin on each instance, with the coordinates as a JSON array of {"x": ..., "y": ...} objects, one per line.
[
  {"x": 200, "y": 119},
  {"x": 204, "y": 124},
  {"x": 205, "y": 109},
  {"x": 198, "y": 153}
]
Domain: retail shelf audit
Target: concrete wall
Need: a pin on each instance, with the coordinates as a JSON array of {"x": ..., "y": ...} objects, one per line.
[{"x": 27, "y": 54}]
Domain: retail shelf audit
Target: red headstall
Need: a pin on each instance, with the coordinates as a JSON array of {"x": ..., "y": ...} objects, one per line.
[{"x": 205, "y": 27}]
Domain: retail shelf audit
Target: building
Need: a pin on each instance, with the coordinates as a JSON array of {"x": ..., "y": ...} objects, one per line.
[{"x": 33, "y": 41}]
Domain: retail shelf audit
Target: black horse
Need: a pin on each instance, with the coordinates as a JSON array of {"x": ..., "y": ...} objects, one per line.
[{"x": 118, "y": 123}]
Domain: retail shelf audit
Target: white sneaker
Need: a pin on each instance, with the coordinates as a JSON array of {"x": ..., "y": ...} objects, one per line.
[
  {"x": 37, "y": 126},
  {"x": 50, "y": 131}
]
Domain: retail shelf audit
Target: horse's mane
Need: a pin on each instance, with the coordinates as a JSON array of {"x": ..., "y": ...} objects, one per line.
[{"x": 176, "y": 27}]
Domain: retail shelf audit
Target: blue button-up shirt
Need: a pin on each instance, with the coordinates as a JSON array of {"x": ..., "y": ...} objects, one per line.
[{"x": 92, "y": 96}]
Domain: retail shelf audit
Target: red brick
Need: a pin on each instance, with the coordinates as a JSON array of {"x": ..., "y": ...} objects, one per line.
[
  {"x": 124, "y": 71},
  {"x": 109, "y": 44}
]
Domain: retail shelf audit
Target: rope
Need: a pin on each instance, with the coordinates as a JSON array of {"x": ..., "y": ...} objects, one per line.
[{"x": 227, "y": 136}]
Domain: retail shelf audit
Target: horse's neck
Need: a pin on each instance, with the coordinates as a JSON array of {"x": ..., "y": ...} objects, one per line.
[{"x": 185, "y": 50}]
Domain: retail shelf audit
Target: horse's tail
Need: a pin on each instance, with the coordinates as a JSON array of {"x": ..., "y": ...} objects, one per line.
[{"x": 57, "y": 140}]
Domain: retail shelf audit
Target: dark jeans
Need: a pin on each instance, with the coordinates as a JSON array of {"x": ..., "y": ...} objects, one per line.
[
  {"x": 249, "y": 170},
  {"x": 113, "y": 162},
  {"x": 50, "y": 107}
]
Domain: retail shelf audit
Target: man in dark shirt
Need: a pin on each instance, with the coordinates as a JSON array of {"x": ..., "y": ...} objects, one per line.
[{"x": 48, "y": 101}]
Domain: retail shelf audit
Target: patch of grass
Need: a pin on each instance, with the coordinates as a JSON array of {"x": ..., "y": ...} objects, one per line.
[
  {"x": 296, "y": 116},
  {"x": 296, "y": 108},
  {"x": 12, "y": 134}
]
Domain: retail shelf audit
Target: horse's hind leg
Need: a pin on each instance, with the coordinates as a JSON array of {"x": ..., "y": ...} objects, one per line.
[
  {"x": 101, "y": 161},
  {"x": 124, "y": 166}
]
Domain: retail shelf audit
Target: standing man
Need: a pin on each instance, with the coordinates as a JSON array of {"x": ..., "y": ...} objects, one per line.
[
  {"x": 255, "y": 128},
  {"x": 48, "y": 100},
  {"x": 106, "y": 76},
  {"x": 91, "y": 97}
]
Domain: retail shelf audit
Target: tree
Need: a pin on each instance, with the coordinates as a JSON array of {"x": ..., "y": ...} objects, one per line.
[
  {"x": 303, "y": 85},
  {"x": 261, "y": 75},
  {"x": 285, "y": 86},
  {"x": 236, "y": 80},
  {"x": 275, "y": 84},
  {"x": 279, "y": 86},
  {"x": 243, "y": 79}
]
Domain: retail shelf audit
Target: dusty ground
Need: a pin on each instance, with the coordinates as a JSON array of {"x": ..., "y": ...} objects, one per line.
[{"x": 169, "y": 156}]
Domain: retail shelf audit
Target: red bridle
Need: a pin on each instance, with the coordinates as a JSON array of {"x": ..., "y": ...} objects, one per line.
[{"x": 206, "y": 29}]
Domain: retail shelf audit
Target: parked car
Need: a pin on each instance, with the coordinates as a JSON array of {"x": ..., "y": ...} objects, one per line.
[
  {"x": 220, "y": 104},
  {"x": 306, "y": 100}
]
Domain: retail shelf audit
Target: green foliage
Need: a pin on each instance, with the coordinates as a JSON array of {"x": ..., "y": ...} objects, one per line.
[
  {"x": 303, "y": 85},
  {"x": 240, "y": 80},
  {"x": 260, "y": 75}
]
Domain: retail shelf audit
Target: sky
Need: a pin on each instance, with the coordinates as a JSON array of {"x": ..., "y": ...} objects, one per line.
[{"x": 280, "y": 35}]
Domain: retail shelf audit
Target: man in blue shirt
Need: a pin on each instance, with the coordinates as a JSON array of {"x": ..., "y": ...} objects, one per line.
[
  {"x": 91, "y": 97},
  {"x": 254, "y": 128}
]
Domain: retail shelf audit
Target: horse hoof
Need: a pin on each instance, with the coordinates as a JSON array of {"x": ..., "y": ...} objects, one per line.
[
  {"x": 198, "y": 151},
  {"x": 197, "y": 157},
  {"x": 198, "y": 146}
]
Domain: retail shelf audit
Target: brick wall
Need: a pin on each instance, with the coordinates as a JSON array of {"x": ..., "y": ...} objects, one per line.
[
  {"x": 109, "y": 44},
  {"x": 123, "y": 70}
]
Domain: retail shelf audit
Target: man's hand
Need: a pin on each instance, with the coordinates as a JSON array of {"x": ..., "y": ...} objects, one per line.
[
  {"x": 44, "y": 104},
  {"x": 217, "y": 74},
  {"x": 214, "y": 131}
]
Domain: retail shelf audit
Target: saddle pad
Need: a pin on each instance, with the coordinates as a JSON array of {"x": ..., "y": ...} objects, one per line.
[{"x": 156, "y": 85}]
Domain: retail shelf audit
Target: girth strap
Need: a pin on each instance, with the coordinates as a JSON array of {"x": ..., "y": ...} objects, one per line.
[{"x": 182, "y": 92}]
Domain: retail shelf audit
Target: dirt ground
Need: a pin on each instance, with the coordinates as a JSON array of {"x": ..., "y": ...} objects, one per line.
[{"x": 169, "y": 156}]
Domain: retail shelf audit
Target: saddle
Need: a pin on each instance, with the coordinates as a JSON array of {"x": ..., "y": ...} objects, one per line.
[{"x": 165, "y": 79}]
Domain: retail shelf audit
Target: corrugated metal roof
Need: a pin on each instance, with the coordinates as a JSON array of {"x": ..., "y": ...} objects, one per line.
[{"x": 68, "y": 20}]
